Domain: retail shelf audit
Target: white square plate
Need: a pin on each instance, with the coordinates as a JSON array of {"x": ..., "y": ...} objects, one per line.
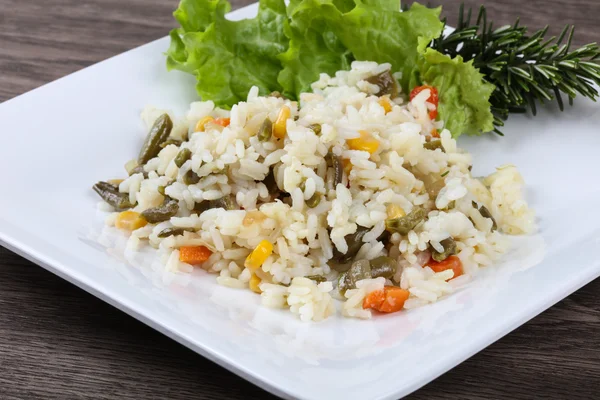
[{"x": 61, "y": 138}]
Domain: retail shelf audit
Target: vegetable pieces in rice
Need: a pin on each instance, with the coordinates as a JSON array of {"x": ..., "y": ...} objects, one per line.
[{"x": 394, "y": 222}]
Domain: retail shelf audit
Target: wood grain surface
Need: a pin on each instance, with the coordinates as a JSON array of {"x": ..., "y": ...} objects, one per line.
[{"x": 58, "y": 342}]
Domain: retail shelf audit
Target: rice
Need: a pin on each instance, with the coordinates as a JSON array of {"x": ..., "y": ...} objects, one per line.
[{"x": 247, "y": 192}]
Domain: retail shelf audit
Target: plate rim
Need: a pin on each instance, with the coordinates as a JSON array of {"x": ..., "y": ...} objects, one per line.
[{"x": 10, "y": 239}]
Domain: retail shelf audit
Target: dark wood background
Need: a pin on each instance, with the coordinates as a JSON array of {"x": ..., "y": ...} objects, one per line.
[{"x": 57, "y": 341}]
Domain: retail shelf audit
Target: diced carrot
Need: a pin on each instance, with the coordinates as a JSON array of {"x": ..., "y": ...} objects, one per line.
[
  {"x": 222, "y": 121},
  {"x": 374, "y": 299},
  {"x": 435, "y": 133},
  {"x": 388, "y": 300},
  {"x": 433, "y": 98},
  {"x": 394, "y": 299},
  {"x": 194, "y": 254},
  {"x": 452, "y": 262}
]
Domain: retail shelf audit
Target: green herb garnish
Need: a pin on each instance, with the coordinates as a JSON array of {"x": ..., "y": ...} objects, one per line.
[{"x": 525, "y": 68}]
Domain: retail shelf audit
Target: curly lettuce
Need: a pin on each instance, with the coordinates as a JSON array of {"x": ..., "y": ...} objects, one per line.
[
  {"x": 464, "y": 95},
  {"x": 374, "y": 33},
  {"x": 286, "y": 49},
  {"x": 229, "y": 57},
  {"x": 314, "y": 45}
]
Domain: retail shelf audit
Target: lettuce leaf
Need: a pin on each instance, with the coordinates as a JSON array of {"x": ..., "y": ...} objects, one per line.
[
  {"x": 314, "y": 46},
  {"x": 375, "y": 33},
  {"x": 464, "y": 95},
  {"x": 286, "y": 49},
  {"x": 229, "y": 57},
  {"x": 325, "y": 39}
]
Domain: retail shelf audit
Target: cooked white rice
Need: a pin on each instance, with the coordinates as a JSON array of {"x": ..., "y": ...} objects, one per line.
[{"x": 231, "y": 161}]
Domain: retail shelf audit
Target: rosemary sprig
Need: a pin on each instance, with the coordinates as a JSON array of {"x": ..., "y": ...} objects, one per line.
[{"x": 526, "y": 69}]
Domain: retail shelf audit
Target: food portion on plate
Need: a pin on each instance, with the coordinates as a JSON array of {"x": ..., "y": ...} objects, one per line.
[
  {"x": 351, "y": 192},
  {"x": 322, "y": 165}
]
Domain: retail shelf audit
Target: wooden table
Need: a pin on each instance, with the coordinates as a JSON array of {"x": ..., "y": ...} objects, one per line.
[{"x": 57, "y": 341}]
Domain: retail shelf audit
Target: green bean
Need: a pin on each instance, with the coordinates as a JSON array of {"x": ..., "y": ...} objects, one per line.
[
  {"x": 302, "y": 185},
  {"x": 449, "y": 246},
  {"x": 173, "y": 232},
  {"x": 270, "y": 182},
  {"x": 224, "y": 170},
  {"x": 405, "y": 224},
  {"x": 164, "y": 212},
  {"x": 200, "y": 207},
  {"x": 162, "y": 189},
  {"x": 191, "y": 178},
  {"x": 314, "y": 200},
  {"x": 433, "y": 145},
  {"x": 111, "y": 195},
  {"x": 354, "y": 241},
  {"x": 317, "y": 278},
  {"x": 358, "y": 271},
  {"x": 383, "y": 266},
  {"x": 434, "y": 183},
  {"x": 158, "y": 134},
  {"x": 387, "y": 84},
  {"x": 335, "y": 162},
  {"x": 139, "y": 170},
  {"x": 342, "y": 283},
  {"x": 451, "y": 205},
  {"x": 265, "y": 131},
  {"x": 485, "y": 213},
  {"x": 316, "y": 128},
  {"x": 182, "y": 157},
  {"x": 226, "y": 202}
]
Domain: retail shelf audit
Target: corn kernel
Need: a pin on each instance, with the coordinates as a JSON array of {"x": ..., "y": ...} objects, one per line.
[
  {"x": 385, "y": 103},
  {"x": 130, "y": 220},
  {"x": 280, "y": 126},
  {"x": 365, "y": 142},
  {"x": 202, "y": 123},
  {"x": 253, "y": 217},
  {"x": 395, "y": 211},
  {"x": 259, "y": 255},
  {"x": 253, "y": 284}
]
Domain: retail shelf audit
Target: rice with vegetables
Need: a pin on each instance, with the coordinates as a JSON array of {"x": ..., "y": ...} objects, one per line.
[{"x": 353, "y": 194}]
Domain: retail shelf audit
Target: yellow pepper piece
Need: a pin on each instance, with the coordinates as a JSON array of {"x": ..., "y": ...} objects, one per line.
[
  {"x": 395, "y": 211},
  {"x": 280, "y": 126},
  {"x": 253, "y": 284},
  {"x": 259, "y": 255},
  {"x": 385, "y": 103},
  {"x": 365, "y": 142},
  {"x": 130, "y": 220},
  {"x": 202, "y": 123}
]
